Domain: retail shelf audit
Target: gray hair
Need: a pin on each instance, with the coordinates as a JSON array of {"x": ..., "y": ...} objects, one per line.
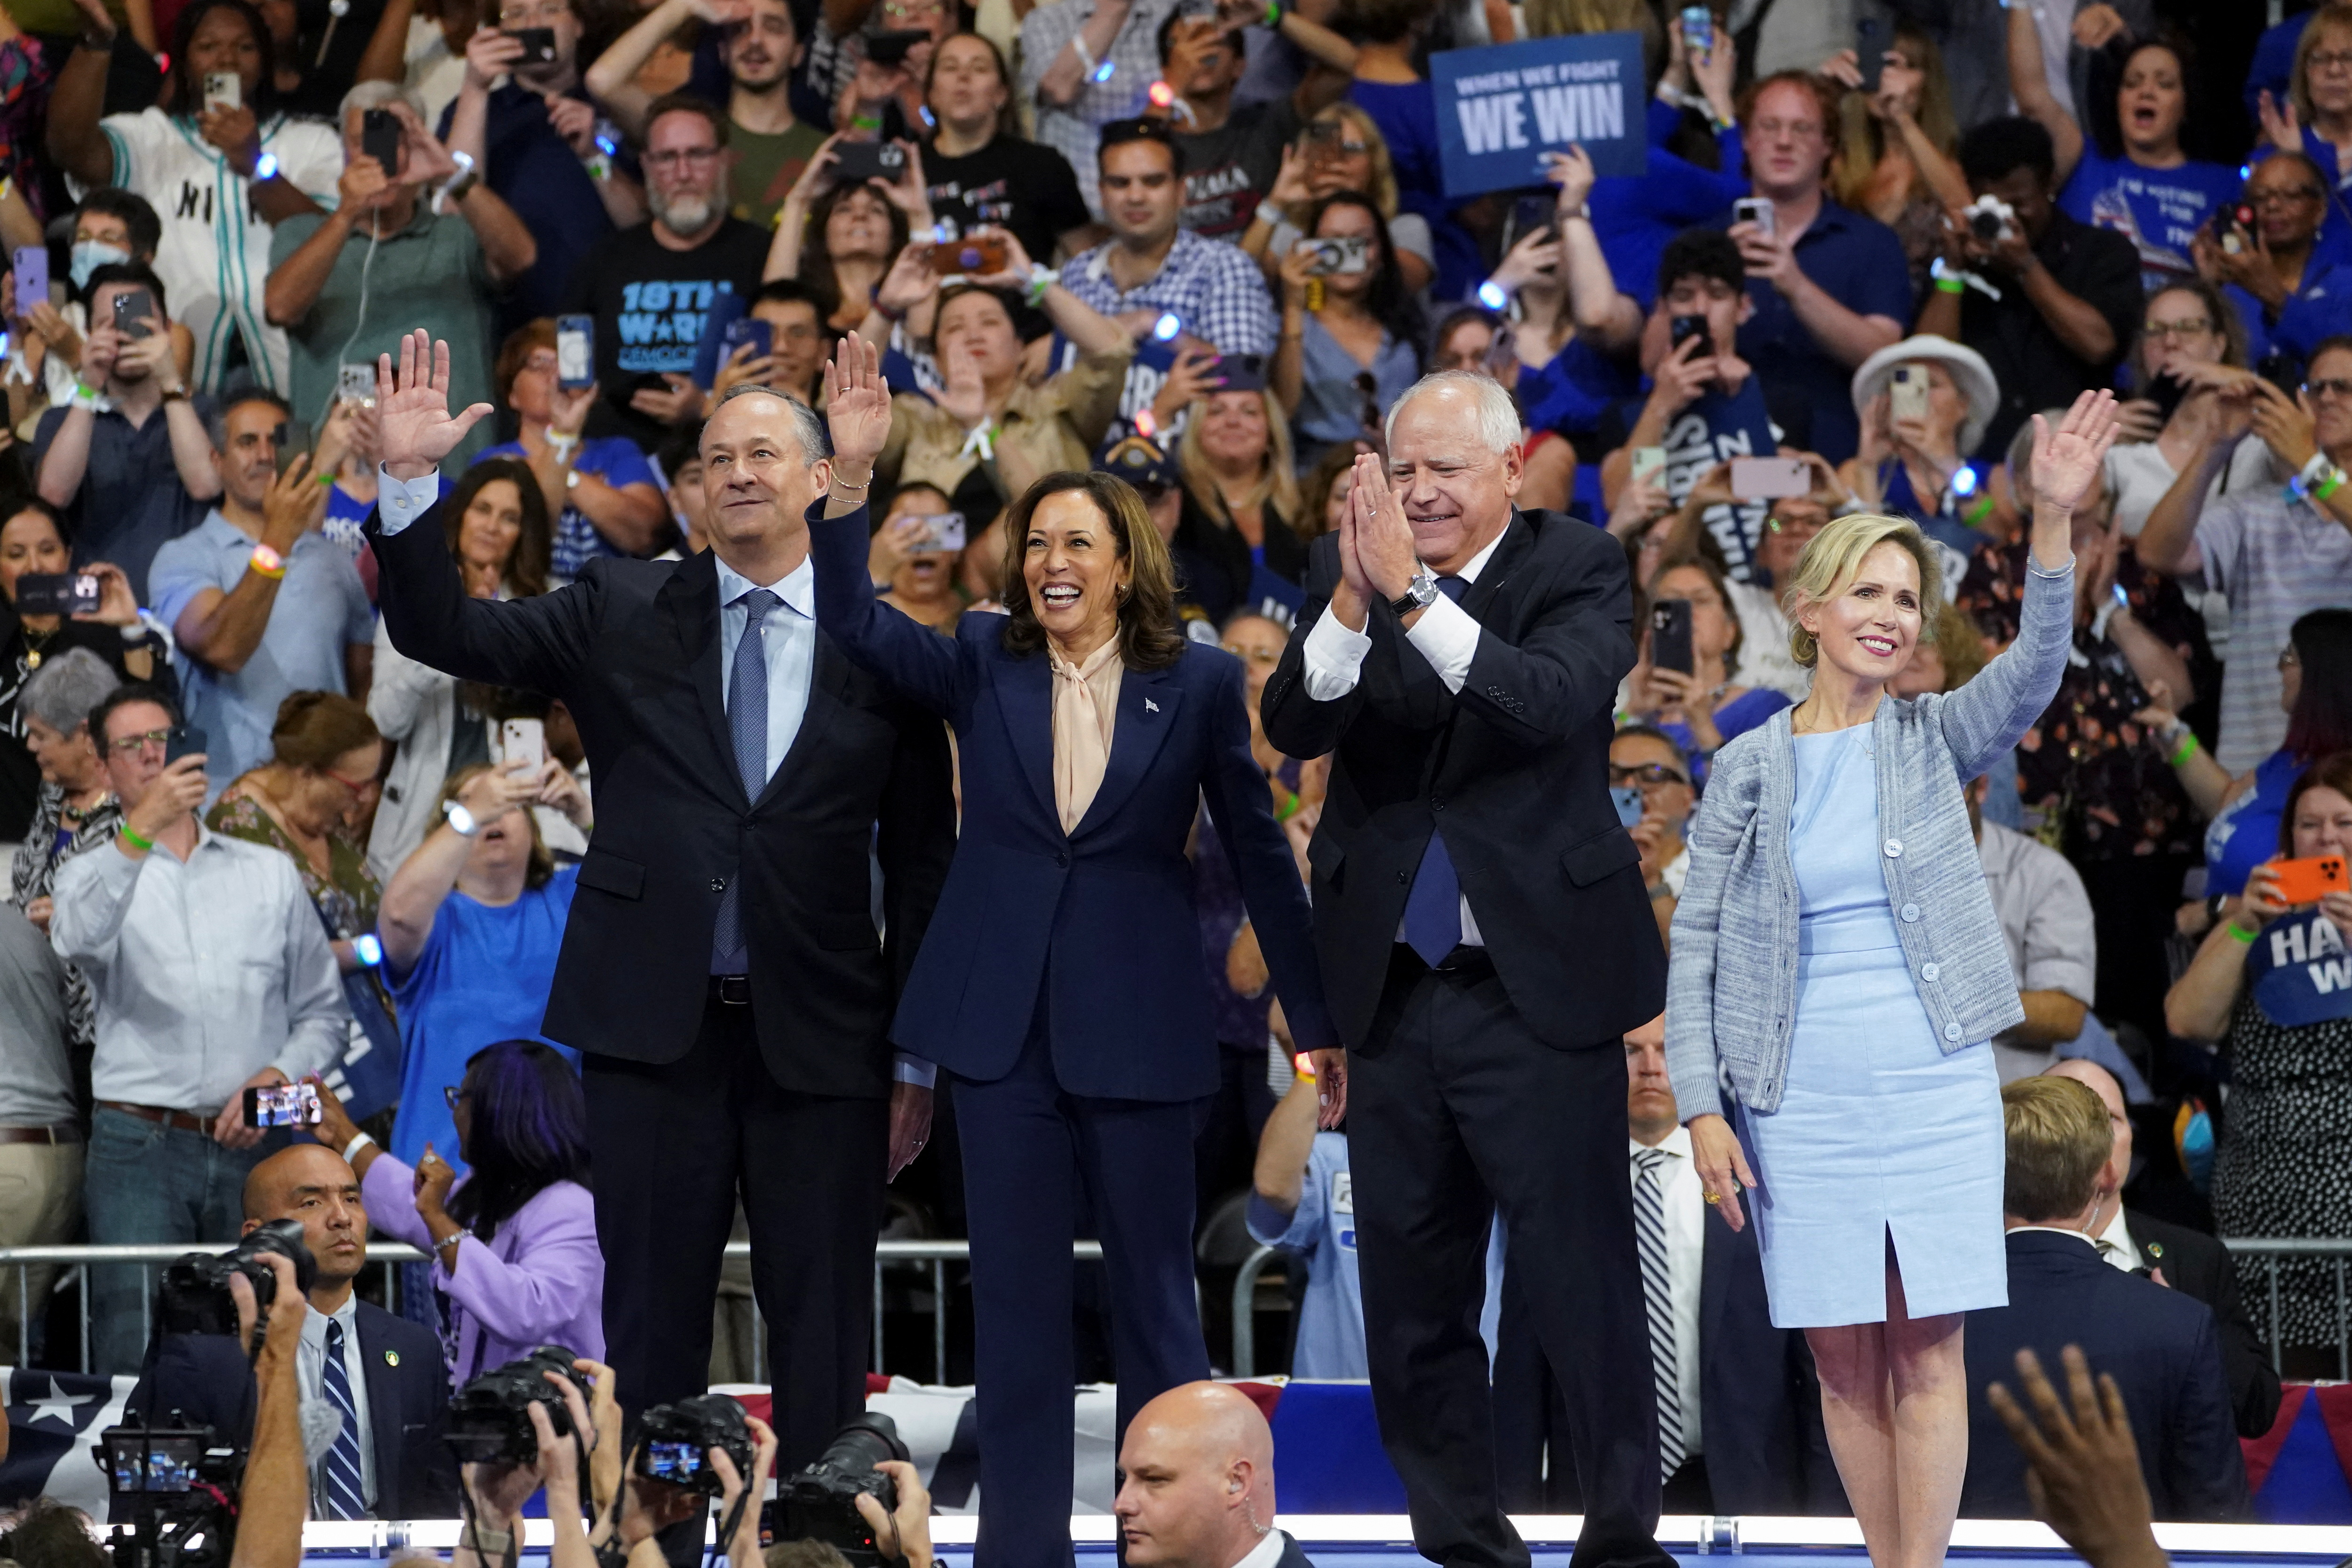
[
  {"x": 61, "y": 693},
  {"x": 217, "y": 412},
  {"x": 375, "y": 95},
  {"x": 1498, "y": 417},
  {"x": 815, "y": 440}
]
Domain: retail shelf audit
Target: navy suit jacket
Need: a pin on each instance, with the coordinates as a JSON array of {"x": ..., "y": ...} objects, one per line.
[
  {"x": 2160, "y": 1346},
  {"x": 207, "y": 1377},
  {"x": 1102, "y": 920},
  {"x": 1760, "y": 1397}
]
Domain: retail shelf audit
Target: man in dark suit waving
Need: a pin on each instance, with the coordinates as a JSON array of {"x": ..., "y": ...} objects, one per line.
[
  {"x": 1486, "y": 945},
  {"x": 384, "y": 1375},
  {"x": 721, "y": 969}
]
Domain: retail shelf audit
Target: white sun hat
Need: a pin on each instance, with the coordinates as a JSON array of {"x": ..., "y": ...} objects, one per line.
[{"x": 1968, "y": 369}]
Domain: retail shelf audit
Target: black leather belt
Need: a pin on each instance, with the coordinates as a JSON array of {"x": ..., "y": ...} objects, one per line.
[
  {"x": 735, "y": 990},
  {"x": 1465, "y": 960}
]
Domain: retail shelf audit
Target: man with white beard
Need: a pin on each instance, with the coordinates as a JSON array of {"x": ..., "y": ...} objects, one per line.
[{"x": 650, "y": 288}]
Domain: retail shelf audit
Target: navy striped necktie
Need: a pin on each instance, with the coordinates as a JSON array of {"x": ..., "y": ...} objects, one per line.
[
  {"x": 1433, "y": 907},
  {"x": 346, "y": 1492}
]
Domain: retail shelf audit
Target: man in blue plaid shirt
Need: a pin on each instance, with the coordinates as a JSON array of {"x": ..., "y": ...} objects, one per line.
[{"x": 1150, "y": 268}]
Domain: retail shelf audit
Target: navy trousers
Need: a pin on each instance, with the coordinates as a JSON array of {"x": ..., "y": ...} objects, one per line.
[{"x": 1030, "y": 1150}]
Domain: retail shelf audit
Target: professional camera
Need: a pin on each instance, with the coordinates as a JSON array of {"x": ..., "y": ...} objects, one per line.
[
  {"x": 1991, "y": 219},
  {"x": 194, "y": 1299},
  {"x": 674, "y": 1440},
  {"x": 489, "y": 1418},
  {"x": 820, "y": 1502},
  {"x": 176, "y": 1486}
]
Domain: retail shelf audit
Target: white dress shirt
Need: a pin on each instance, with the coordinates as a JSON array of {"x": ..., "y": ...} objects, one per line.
[
  {"x": 1684, "y": 1201},
  {"x": 204, "y": 973},
  {"x": 1268, "y": 1550},
  {"x": 1447, "y": 637},
  {"x": 311, "y": 1365},
  {"x": 788, "y": 641},
  {"x": 2115, "y": 1244}
]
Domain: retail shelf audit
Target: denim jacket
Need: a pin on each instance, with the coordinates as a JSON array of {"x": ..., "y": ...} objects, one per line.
[{"x": 1731, "y": 989}]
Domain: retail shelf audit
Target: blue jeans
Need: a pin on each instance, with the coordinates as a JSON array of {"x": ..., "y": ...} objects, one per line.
[{"x": 146, "y": 1183}]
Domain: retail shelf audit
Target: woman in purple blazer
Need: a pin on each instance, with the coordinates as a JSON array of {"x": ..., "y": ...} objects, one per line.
[{"x": 515, "y": 1260}]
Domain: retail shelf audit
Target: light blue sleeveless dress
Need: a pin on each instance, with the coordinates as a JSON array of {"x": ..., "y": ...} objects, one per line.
[{"x": 1879, "y": 1131}]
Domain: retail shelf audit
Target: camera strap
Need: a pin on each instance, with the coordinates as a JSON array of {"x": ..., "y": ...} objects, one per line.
[{"x": 732, "y": 1522}]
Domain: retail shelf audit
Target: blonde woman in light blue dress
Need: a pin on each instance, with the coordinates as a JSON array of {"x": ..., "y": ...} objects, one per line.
[{"x": 1837, "y": 973}]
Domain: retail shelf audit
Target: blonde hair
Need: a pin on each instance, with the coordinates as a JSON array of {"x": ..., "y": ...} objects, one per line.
[
  {"x": 1277, "y": 483},
  {"x": 2335, "y": 14},
  {"x": 1833, "y": 559},
  {"x": 1383, "y": 183},
  {"x": 2058, "y": 1137},
  {"x": 1862, "y": 140}
]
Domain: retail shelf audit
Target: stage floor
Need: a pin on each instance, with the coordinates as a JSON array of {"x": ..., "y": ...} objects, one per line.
[{"x": 1365, "y": 1541}]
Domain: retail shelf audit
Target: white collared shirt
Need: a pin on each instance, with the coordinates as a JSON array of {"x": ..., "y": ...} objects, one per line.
[
  {"x": 1446, "y": 635},
  {"x": 2056, "y": 1230},
  {"x": 1684, "y": 1202},
  {"x": 1266, "y": 1553},
  {"x": 204, "y": 972},
  {"x": 2115, "y": 1244},
  {"x": 310, "y": 1364}
]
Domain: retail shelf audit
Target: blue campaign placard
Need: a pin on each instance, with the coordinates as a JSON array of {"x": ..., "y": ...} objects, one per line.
[{"x": 1501, "y": 109}]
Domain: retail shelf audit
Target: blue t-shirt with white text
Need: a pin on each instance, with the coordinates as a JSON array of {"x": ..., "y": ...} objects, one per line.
[{"x": 2158, "y": 210}]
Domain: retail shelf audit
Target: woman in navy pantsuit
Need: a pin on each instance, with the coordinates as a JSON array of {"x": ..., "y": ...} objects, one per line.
[{"x": 1060, "y": 979}]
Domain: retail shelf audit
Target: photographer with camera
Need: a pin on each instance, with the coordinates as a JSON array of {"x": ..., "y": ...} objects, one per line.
[
  {"x": 528, "y": 1449},
  {"x": 210, "y": 975},
  {"x": 383, "y": 1375},
  {"x": 2050, "y": 303},
  {"x": 862, "y": 1499},
  {"x": 190, "y": 1490}
]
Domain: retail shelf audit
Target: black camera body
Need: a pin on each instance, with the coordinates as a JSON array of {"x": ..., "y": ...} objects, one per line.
[
  {"x": 820, "y": 1502},
  {"x": 177, "y": 1485},
  {"x": 489, "y": 1418},
  {"x": 674, "y": 1440},
  {"x": 194, "y": 1299}
]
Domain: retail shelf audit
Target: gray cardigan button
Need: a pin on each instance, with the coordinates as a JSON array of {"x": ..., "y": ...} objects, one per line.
[
  {"x": 1894, "y": 848},
  {"x": 1951, "y": 1031},
  {"x": 1928, "y": 972},
  {"x": 1910, "y": 912}
]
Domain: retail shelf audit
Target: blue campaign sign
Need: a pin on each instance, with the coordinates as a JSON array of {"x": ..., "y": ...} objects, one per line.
[{"x": 1500, "y": 109}]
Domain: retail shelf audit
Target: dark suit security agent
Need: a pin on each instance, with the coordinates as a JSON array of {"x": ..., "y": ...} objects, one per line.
[
  {"x": 1060, "y": 981},
  {"x": 1487, "y": 944},
  {"x": 720, "y": 971},
  {"x": 1198, "y": 1485},
  {"x": 384, "y": 1375}
]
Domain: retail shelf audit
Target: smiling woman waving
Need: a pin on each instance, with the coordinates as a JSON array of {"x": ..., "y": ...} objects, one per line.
[
  {"x": 1836, "y": 964},
  {"x": 1060, "y": 982}
]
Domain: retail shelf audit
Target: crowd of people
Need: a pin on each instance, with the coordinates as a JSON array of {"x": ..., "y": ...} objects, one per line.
[{"x": 885, "y": 716}]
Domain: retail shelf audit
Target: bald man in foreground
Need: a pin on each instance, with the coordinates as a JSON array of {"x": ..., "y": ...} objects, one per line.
[
  {"x": 1199, "y": 1493},
  {"x": 2190, "y": 1261},
  {"x": 389, "y": 1379}
]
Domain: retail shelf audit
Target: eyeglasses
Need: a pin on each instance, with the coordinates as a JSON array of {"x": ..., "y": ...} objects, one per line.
[
  {"x": 2281, "y": 198},
  {"x": 1806, "y": 525},
  {"x": 1339, "y": 149},
  {"x": 124, "y": 745},
  {"x": 2332, "y": 386},
  {"x": 2196, "y": 326},
  {"x": 2289, "y": 659},
  {"x": 2329, "y": 60},
  {"x": 453, "y": 1093},
  {"x": 532, "y": 16},
  {"x": 357, "y": 786},
  {"x": 700, "y": 157},
  {"x": 1649, "y": 775}
]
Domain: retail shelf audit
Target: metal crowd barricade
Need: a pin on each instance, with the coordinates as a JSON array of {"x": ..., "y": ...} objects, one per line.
[
  {"x": 929, "y": 1257},
  {"x": 2272, "y": 1251}
]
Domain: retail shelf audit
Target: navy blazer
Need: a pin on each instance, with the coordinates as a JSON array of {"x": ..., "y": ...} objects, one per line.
[
  {"x": 2160, "y": 1346},
  {"x": 207, "y": 1377},
  {"x": 1102, "y": 920}
]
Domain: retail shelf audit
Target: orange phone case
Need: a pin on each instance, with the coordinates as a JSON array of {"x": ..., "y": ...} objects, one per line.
[{"x": 2308, "y": 881}]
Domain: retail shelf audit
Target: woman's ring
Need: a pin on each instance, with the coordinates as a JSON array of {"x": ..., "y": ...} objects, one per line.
[{"x": 1712, "y": 1198}]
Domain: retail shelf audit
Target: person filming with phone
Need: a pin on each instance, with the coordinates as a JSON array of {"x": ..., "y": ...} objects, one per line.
[
  {"x": 127, "y": 459},
  {"x": 262, "y": 604},
  {"x": 2264, "y": 989},
  {"x": 438, "y": 261},
  {"x": 211, "y": 975}
]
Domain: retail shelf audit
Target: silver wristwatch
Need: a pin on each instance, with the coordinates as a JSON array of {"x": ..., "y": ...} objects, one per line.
[{"x": 1419, "y": 594}]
